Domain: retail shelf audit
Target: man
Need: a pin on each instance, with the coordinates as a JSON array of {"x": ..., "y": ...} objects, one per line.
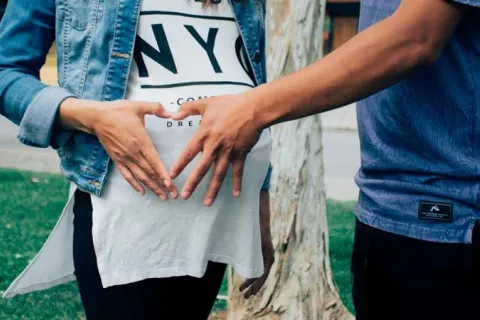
[
  {"x": 417, "y": 64},
  {"x": 3, "y": 5}
]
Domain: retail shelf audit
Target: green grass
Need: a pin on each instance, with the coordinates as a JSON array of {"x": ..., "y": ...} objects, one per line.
[
  {"x": 341, "y": 224},
  {"x": 30, "y": 204}
]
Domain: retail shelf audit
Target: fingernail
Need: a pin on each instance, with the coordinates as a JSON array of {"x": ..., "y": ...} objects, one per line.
[
  {"x": 173, "y": 194},
  {"x": 185, "y": 194},
  {"x": 208, "y": 202},
  {"x": 164, "y": 198},
  {"x": 236, "y": 193},
  {"x": 167, "y": 183},
  {"x": 173, "y": 175}
]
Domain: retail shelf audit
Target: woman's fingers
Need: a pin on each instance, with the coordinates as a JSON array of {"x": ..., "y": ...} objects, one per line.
[
  {"x": 127, "y": 174},
  {"x": 247, "y": 283},
  {"x": 252, "y": 286},
  {"x": 147, "y": 181},
  {"x": 152, "y": 108},
  {"x": 256, "y": 286},
  {"x": 219, "y": 172},
  {"x": 160, "y": 172}
]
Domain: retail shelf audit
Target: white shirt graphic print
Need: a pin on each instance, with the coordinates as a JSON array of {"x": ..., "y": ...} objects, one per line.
[{"x": 183, "y": 52}]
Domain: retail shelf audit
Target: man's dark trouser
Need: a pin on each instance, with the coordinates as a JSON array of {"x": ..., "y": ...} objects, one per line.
[
  {"x": 167, "y": 298},
  {"x": 399, "y": 278}
]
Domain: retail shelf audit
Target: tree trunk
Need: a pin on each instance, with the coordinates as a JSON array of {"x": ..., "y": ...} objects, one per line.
[{"x": 300, "y": 285}]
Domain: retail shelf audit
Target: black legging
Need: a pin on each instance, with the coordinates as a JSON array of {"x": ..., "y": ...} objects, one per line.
[{"x": 180, "y": 298}]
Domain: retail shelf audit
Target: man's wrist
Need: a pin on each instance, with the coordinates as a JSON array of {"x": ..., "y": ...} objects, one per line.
[
  {"x": 78, "y": 115},
  {"x": 262, "y": 104}
]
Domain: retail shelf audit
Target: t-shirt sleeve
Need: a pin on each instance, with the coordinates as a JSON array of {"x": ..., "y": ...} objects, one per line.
[{"x": 474, "y": 3}]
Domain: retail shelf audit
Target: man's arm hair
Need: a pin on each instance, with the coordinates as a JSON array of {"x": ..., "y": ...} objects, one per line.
[{"x": 376, "y": 58}]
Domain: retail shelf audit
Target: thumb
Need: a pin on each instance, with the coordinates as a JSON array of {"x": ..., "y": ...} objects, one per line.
[
  {"x": 153, "y": 108},
  {"x": 193, "y": 108}
]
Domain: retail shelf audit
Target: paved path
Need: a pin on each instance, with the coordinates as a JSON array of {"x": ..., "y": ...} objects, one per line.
[
  {"x": 341, "y": 158},
  {"x": 13, "y": 154}
]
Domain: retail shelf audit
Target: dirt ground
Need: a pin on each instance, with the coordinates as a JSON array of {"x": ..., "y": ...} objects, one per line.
[{"x": 222, "y": 315}]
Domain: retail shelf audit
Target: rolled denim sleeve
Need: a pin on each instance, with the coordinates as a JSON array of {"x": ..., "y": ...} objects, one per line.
[
  {"x": 27, "y": 32},
  {"x": 266, "y": 183}
]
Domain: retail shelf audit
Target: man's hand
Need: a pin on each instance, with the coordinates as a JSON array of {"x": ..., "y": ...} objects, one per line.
[
  {"x": 253, "y": 286},
  {"x": 414, "y": 35},
  {"x": 120, "y": 127},
  {"x": 227, "y": 133}
]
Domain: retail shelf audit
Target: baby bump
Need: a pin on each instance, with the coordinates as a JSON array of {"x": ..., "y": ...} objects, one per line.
[{"x": 171, "y": 137}]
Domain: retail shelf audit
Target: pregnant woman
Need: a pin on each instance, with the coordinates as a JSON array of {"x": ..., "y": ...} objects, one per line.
[{"x": 139, "y": 252}]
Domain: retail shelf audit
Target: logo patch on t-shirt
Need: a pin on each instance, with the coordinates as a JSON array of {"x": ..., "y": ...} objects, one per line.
[{"x": 435, "y": 211}]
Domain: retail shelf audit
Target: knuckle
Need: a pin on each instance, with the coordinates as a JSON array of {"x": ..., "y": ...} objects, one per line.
[
  {"x": 143, "y": 180},
  {"x": 136, "y": 144},
  {"x": 202, "y": 170},
  {"x": 228, "y": 143},
  {"x": 152, "y": 174},
  {"x": 189, "y": 156},
  {"x": 238, "y": 170},
  {"x": 219, "y": 177}
]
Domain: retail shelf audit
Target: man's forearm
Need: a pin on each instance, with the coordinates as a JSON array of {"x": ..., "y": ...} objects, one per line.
[{"x": 373, "y": 60}]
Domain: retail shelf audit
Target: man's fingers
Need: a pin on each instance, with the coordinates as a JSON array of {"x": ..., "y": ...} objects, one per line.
[
  {"x": 193, "y": 108},
  {"x": 153, "y": 108},
  {"x": 127, "y": 174},
  {"x": 219, "y": 173},
  {"x": 237, "y": 174},
  {"x": 188, "y": 154},
  {"x": 200, "y": 170},
  {"x": 160, "y": 172},
  {"x": 147, "y": 181}
]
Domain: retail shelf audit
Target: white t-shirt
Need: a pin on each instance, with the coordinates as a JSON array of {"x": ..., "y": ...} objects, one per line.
[{"x": 183, "y": 52}]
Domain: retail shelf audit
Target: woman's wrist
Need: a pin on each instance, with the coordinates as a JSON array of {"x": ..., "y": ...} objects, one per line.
[{"x": 78, "y": 115}]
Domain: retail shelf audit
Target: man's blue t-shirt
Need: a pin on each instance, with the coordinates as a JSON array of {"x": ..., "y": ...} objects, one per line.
[{"x": 420, "y": 140}]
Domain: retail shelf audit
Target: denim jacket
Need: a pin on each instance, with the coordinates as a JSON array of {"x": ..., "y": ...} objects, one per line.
[{"x": 94, "y": 41}]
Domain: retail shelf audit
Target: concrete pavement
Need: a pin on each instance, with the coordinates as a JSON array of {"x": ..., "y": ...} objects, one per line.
[
  {"x": 15, "y": 155},
  {"x": 341, "y": 158}
]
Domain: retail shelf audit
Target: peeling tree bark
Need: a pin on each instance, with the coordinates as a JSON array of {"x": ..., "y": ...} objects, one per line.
[{"x": 300, "y": 285}]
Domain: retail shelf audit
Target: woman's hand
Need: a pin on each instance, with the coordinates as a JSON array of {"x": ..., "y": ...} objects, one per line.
[
  {"x": 120, "y": 128},
  {"x": 227, "y": 133},
  {"x": 253, "y": 286}
]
